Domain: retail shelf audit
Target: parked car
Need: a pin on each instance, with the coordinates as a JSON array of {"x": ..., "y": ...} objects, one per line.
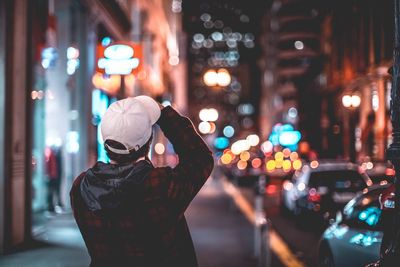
[
  {"x": 379, "y": 172},
  {"x": 317, "y": 192},
  {"x": 355, "y": 238}
]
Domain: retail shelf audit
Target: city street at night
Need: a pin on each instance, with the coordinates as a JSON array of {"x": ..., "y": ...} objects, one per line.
[{"x": 199, "y": 133}]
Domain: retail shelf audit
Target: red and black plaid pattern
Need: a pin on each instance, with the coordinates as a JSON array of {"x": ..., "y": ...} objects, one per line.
[{"x": 155, "y": 232}]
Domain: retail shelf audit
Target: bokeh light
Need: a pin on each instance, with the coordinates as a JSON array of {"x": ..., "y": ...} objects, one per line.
[
  {"x": 256, "y": 163},
  {"x": 297, "y": 164},
  {"x": 314, "y": 164},
  {"x": 271, "y": 165},
  {"x": 159, "y": 148},
  {"x": 241, "y": 165},
  {"x": 253, "y": 139},
  {"x": 240, "y": 146},
  {"x": 267, "y": 147},
  {"x": 228, "y": 131},
  {"x": 293, "y": 156},
  {"x": 279, "y": 156},
  {"x": 245, "y": 156},
  {"x": 226, "y": 158},
  {"x": 204, "y": 127},
  {"x": 286, "y": 152}
]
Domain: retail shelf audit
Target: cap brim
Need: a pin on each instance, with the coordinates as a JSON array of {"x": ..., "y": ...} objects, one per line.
[{"x": 152, "y": 107}]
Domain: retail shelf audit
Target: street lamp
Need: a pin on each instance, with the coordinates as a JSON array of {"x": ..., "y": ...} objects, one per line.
[
  {"x": 351, "y": 103},
  {"x": 217, "y": 78}
]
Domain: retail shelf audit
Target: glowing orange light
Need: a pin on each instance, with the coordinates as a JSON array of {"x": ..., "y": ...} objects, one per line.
[
  {"x": 256, "y": 163},
  {"x": 212, "y": 127},
  {"x": 241, "y": 165},
  {"x": 294, "y": 156},
  {"x": 245, "y": 156},
  {"x": 226, "y": 159},
  {"x": 111, "y": 84},
  {"x": 286, "y": 152}
]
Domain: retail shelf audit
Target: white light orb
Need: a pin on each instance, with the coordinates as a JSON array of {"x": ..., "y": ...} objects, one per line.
[
  {"x": 253, "y": 139},
  {"x": 210, "y": 78},
  {"x": 159, "y": 148},
  {"x": 355, "y": 101},
  {"x": 204, "y": 127},
  {"x": 223, "y": 77},
  {"x": 347, "y": 101}
]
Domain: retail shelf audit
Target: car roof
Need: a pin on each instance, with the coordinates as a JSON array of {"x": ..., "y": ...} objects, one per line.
[{"x": 334, "y": 166}]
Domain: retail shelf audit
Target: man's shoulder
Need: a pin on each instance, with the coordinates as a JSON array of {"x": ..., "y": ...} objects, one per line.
[{"x": 77, "y": 181}]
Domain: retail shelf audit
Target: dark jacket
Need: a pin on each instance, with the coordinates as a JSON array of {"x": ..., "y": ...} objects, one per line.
[{"x": 133, "y": 214}]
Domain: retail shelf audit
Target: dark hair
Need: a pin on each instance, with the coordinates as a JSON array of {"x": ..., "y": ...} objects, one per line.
[{"x": 125, "y": 158}]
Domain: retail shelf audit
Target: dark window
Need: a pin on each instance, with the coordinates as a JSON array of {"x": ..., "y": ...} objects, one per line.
[{"x": 338, "y": 181}]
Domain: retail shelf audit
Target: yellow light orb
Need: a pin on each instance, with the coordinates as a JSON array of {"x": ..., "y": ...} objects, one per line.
[
  {"x": 297, "y": 164},
  {"x": 279, "y": 156},
  {"x": 287, "y": 164},
  {"x": 271, "y": 164}
]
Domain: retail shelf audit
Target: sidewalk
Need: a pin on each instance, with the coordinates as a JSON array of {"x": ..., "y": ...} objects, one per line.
[{"x": 221, "y": 235}]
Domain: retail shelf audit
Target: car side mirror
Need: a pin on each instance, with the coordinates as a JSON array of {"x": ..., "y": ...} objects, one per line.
[
  {"x": 337, "y": 219},
  {"x": 339, "y": 216}
]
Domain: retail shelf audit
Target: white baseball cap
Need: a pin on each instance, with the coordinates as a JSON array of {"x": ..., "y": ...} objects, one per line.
[{"x": 129, "y": 121}]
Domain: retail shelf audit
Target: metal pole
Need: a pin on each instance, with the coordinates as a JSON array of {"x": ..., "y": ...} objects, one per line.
[
  {"x": 391, "y": 257},
  {"x": 260, "y": 226}
]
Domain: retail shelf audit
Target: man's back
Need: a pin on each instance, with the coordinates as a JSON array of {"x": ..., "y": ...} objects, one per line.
[{"x": 133, "y": 214}]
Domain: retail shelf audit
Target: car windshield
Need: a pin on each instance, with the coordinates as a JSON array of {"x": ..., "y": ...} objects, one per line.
[
  {"x": 364, "y": 212},
  {"x": 339, "y": 181}
]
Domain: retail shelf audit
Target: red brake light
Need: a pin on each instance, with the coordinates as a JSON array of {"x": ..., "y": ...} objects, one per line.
[
  {"x": 390, "y": 172},
  {"x": 313, "y": 196}
]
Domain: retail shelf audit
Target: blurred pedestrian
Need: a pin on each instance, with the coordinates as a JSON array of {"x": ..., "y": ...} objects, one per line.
[
  {"x": 129, "y": 212},
  {"x": 54, "y": 172}
]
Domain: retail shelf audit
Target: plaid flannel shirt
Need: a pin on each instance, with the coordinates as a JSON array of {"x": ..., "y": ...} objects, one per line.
[{"x": 156, "y": 234}]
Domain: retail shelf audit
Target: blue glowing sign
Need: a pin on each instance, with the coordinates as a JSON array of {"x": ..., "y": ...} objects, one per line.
[
  {"x": 221, "y": 142},
  {"x": 370, "y": 216},
  {"x": 289, "y": 138},
  {"x": 285, "y": 135}
]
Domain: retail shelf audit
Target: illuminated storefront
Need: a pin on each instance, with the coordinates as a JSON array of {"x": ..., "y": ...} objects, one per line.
[{"x": 67, "y": 106}]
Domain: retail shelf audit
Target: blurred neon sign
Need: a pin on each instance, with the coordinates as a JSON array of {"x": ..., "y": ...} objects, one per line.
[
  {"x": 284, "y": 135},
  {"x": 121, "y": 58}
]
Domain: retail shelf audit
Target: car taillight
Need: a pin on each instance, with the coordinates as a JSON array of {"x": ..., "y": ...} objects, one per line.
[
  {"x": 390, "y": 172},
  {"x": 313, "y": 195}
]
